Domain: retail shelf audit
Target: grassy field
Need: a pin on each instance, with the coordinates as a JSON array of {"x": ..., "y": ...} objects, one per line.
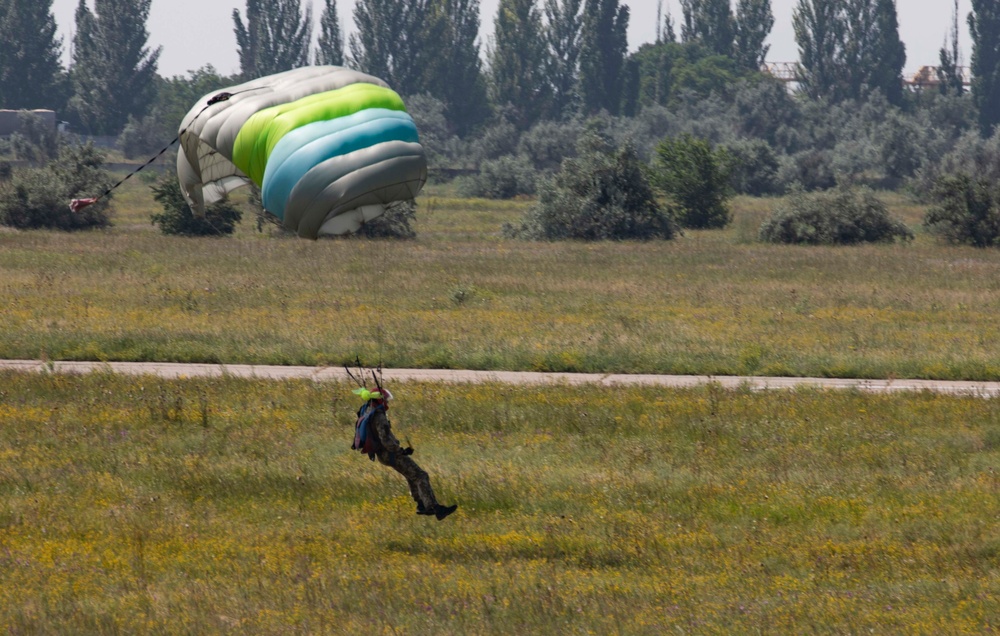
[
  {"x": 461, "y": 296},
  {"x": 137, "y": 505}
]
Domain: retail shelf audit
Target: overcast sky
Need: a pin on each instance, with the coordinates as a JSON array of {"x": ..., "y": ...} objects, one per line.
[{"x": 194, "y": 33}]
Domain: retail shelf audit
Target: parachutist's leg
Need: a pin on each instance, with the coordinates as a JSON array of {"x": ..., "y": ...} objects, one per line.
[
  {"x": 413, "y": 493},
  {"x": 416, "y": 478}
]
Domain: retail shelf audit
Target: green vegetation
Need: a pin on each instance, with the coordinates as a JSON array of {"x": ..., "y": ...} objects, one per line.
[
  {"x": 601, "y": 194},
  {"x": 39, "y": 197},
  {"x": 694, "y": 176},
  {"x": 967, "y": 210},
  {"x": 712, "y": 302},
  {"x": 178, "y": 218},
  {"x": 141, "y": 505},
  {"x": 844, "y": 216}
]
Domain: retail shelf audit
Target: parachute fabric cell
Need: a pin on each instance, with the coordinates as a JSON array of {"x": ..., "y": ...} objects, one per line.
[
  {"x": 321, "y": 142},
  {"x": 312, "y": 144}
]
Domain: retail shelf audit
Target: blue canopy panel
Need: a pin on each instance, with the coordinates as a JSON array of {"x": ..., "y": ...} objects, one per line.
[{"x": 305, "y": 148}]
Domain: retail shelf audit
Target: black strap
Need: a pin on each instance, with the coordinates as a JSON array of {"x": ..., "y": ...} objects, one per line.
[{"x": 221, "y": 97}]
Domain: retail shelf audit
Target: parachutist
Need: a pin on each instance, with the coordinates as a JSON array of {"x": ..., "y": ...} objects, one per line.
[{"x": 373, "y": 435}]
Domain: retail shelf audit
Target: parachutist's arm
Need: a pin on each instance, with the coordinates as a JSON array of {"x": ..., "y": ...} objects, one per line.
[{"x": 389, "y": 441}]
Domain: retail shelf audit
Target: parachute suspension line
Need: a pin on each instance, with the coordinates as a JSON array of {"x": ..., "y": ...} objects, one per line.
[
  {"x": 369, "y": 286},
  {"x": 378, "y": 259},
  {"x": 371, "y": 257},
  {"x": 78, "y": 204},
  {"x": 380, "y": 250}
]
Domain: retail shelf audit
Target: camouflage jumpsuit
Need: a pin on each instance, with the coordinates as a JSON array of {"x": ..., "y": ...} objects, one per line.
[{"x": 391, "y": 454}]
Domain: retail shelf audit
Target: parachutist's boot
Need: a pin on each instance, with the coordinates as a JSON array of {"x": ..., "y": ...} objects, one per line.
[
  {"x": 443, "y": 511},
  {"x": 423, "y": 511}
]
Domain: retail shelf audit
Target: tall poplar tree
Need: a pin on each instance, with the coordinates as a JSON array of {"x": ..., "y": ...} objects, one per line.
[
  {"x": 888, "y": 54},
  {"x": 276, "y": 37},
  {"x": 950, "y": 67},
  {"x": 31, "y": 75},
  {"x": 562, "y": 34},
  {"x": 425, "y": 47},
  {"x": 517, "y": 61},
  {"x": 114, "y": 72},
  {"x": 603, "y": 47},
  {"x": 754, "y": 21},
  {"x": 711, "y": 23},
  {"x": 849, "y": 48},
  {"x": 872, "y": 55},
  {"x": 330, "y": 47},
  {"x": 858, "y": 31},
  {"x": 664, "y": 25},
  {"x": 819, "y": 32},
  {"x": 984, "y": 24},
  {"x": 391, "y": 42},
  {"x": 453, "y": 70}
]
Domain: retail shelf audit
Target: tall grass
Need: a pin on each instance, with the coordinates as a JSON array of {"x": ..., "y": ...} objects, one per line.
[
  {"x": 140, "y": 505},
  {"x": 462, "y": 296}
]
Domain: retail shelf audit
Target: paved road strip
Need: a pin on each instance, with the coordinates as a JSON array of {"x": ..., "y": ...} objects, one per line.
[{"x": 180, "y": 370}]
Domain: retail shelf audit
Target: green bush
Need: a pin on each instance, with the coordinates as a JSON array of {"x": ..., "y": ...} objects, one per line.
[
  {"x": 752, "y": 167},
  {"x": 695, "y": 177},
  {"x": 967, "y": 210},
  {"x": 142, "y": 138},
  {"x": 395, "y": 222},
  {"x": 178, "y": 218},
  {"x": 809, "y": 169},
  {"x": 36, "y": 198},
  {"x": 443, "y": 147},
  {"x": 971, "y": 155},
  {"x": 36, "y": 141},
  {"x": 503, "y": 178},
  {"x": 843, "y": 216},
  {"x": 547, "y": 143},
  {"x": 601, "y": 194}
]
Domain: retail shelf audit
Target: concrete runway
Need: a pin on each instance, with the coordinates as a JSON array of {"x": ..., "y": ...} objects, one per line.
[{"x": 180, "y": 370}]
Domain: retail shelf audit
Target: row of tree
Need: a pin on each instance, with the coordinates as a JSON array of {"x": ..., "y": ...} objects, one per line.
[{"x": 547, "y": 59}]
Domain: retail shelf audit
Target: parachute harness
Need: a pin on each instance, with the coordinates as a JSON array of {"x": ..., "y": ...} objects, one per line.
[
  {"x": 378, "y": 400},
  {"x": 78, "y": 204}
]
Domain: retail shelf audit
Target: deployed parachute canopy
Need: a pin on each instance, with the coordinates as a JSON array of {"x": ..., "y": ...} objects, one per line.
[{"x": 329, "y": 148}]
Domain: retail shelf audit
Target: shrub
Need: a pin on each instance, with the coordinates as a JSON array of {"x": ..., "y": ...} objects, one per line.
[
  {"x": 967, "y": 210},
  {"x": 262, "y": 218},
  {"x": 36, "y": 141},
  {"x": 502, "y": 178},
  {"x": 752, "y": 167},
  {"x": 901, "y": 144},
  {"x": 547, "y": 143},
  {"x": 601, "y": 194},
  {"x": 395, "y": 222},
  {"x": 496, "y": 140},
  {"x": 36, "y": 198},
  {"x": 443, "y": 148},
  {"x": 179, "y": 219},
  {"x": 842, "y": 216},
  {"x": 141, "y": 138},
  {"x": 971, "y": 155},
  {"x": 809, "y": 169},
  {"x": 764, "y": 107},
  {"x": 694, "y": 176}
]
